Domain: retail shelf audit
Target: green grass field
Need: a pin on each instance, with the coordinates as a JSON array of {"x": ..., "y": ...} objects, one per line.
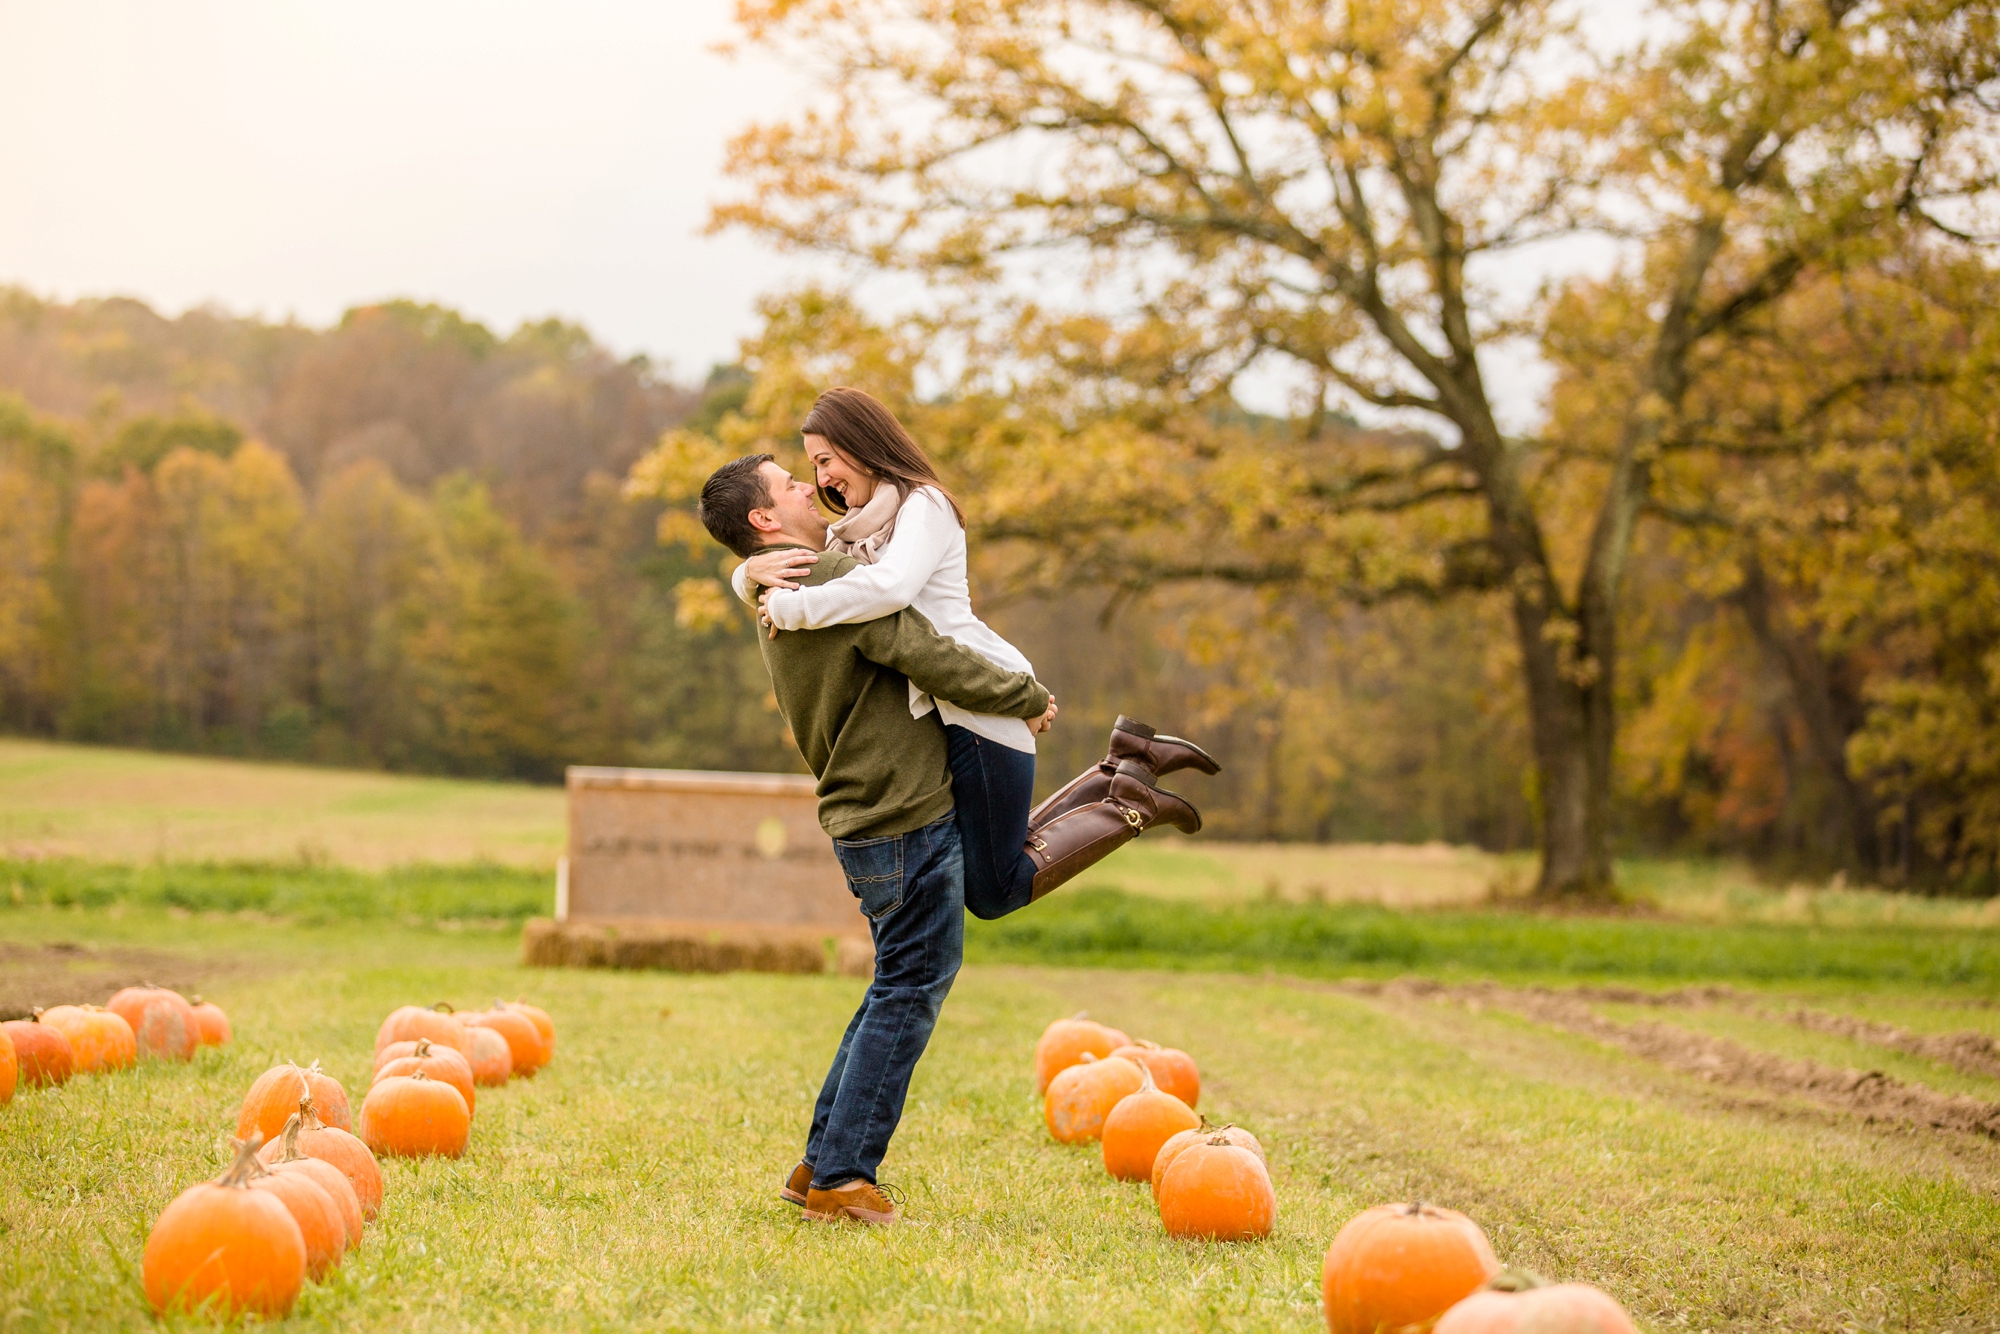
[{"x": 1650, "y": 1101}]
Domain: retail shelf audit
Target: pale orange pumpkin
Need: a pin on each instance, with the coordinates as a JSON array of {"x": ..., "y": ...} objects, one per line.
[
  {"x": 224, "y": 1247},
  {"x": 1080, "y": 1097},
  {"x": 10, "y": 1069},
  {"x": 1065, "y": 1042},
  {"x": 440, "y": 1063},
  {"x": 1515, "y": 1301},
  {"x": 330, "y": 1178},
  {"x": 1173, "y": 1069},
  {"x": 1138, "y": 1125},
  {"x": 163, "y": 1023},
  {"x": 525, "y": 1051},
  {"x": 1236, "y": 1135},
  {"x": 320, "y": 1224},
  {"x": 491, "y": 1058},
  {"x": 1400, "y": 1266},
  {"x": 99, "y": 1040},
  {"x": 333, "y": 1145},
  {"x": 540, "y": 1019},
  {"x": 213, "y": 1023},
  {"x": 415, "y": 1116},
  {"x": 43, "y": 1052},
  {"x": 410, "y": 1022},
  {"x": 1216, "y": 1190},
  {"x": 275, "y": 1096}
]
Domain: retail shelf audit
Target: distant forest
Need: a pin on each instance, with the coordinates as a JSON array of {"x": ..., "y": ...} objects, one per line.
[{"x": 404, "y": 541}]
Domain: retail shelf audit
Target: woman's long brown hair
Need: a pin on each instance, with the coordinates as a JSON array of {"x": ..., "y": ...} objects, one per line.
[{"x": 868, "y": 435}]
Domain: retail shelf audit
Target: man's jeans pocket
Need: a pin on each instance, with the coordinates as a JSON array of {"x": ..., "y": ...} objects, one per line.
[{"x": 874, "y": 868}]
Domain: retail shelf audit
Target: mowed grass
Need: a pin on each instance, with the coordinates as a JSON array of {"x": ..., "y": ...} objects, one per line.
[{"x": 630, "y": 1185}]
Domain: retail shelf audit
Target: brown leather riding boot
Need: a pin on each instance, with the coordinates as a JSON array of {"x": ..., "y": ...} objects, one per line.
[
  {"x": 1079, "y": 838},
  {"x": 1131, "y": 742}
]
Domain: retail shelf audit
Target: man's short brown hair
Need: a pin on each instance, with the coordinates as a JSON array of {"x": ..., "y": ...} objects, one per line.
[{"x": 727, "y": 498}]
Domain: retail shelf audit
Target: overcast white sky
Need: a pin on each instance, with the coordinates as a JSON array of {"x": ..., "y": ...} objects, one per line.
[
  {"x": 513, "y": 160},
  {"x": 288, "y": 158}
]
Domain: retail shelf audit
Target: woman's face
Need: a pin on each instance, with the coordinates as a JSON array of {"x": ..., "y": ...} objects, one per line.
[{"x": 838, "y": 473}]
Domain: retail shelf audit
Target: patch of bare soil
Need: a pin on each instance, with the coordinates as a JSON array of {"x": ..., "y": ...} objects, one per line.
[
  {"x": 1870, "y": 1094},
  {"x": 64, "y": 973}
]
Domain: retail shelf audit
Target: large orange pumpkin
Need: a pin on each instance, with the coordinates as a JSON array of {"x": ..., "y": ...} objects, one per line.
[
  {"x": 1171, "y": 1150},
  {"x": 10, "y": 1069},
  {"x": 213, "y": 1023},
  {"x": 1080, "y": 1097},
  {"x": 1138, "y": 1125},
  {"x": 492, "y": 1059},
  {"x": 1402, "y": 1266},
  {"x": 43, "y": 1052},
  {"x": 1217, "y": 1190},
  {"x": 333, "y": 1145},
  {"x": 540, "y": 1019},
  {"x": 1517, "y": 1302},
  {"x": 275, "y": 1096},
  {"x": 524, "y": 1041},
  {"x": 1173, "y": 1069},
  {"x": 1065, "y": 1042},
  {"x": 226, "y": 1248},
  {"x": 98, "y": 1039},
  {"x": 415, "y": 1116},
  {"x": 321, "y": 1227},
  {"x": 330, "y": 1179},
  {"x": 439, "y": 1063},
  {"x": 411, "y": 1022},
  {"x": 162, "y": 1021}
]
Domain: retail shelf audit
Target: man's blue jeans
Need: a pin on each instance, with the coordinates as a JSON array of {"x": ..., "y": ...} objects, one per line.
[{"x": 912, "y": 890}]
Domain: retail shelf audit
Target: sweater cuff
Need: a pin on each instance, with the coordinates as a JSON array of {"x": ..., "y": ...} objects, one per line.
[{"x": 787, "y": 608}]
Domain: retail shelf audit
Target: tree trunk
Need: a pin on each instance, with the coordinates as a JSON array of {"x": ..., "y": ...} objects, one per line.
[{"x": 1571, "y": 723}]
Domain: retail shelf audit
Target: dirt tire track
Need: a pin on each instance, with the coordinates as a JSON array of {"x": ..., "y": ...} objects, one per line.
[{"x": 1870, "y": 1094}]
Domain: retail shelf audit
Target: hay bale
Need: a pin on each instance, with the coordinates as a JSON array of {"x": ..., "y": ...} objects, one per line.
[{"x": 678, "y": 947}]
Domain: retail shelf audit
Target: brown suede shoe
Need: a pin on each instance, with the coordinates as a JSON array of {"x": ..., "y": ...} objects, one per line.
[
  {"x": 859, "y": 1200},
  {"x": 797, "y": 1184}
]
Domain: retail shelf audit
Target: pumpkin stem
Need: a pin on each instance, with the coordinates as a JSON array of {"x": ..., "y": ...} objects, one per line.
[
  {"x": 1089, "y": 1058},
  {"x": 423, "y": 1048},
  {"x": 418, "y": 1074},
  {"x": 444, "y": 1007},
  {"x": 196, "y": 1000},
  {"x": 36, "y": 1017},
  {"x": 1516, "y": 1280},
  {"x": 1080, "y": 1014},
  {"x": 237, "y": 1175},
  {"x": 309, "y": 1113},
  {"x": 290, "y": 1153},
  {"x": 1146, "y": 1084}
]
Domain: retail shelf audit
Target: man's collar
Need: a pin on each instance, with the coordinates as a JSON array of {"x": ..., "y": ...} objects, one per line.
[{"x": 780, "y": 546}]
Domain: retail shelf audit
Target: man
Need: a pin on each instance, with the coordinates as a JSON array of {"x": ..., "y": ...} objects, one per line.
[{"x": 885, "y": 798}]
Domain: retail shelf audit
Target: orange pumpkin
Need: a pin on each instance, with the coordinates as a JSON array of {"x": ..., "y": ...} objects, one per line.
[
  {"x": 43, "y": 1053},
  {"x": 320, "y": 1224},
  {"x": 411, "y": 1022},
  {"x": 439, "y": 1063},
  {"x": 1173, "y": 1069},
  {"x": 1080, "y": 1097},
  {"x": 333, "y": 1145},
  {"x": 212, "y": 1022},
  {"x": 275, "y": 1096},
  {"x": 492, "y": 1059},
  {"x": 1402, "y": 1265},
  {"x": 224, "y": 1247},
  {"x": 10, "y": 1069},
  {"x": 540, "y": 1019},
  {"x": 415, "y": 1116},
  {"x": 1171, "y": 1150},
  {"x": 1517, "y": 1302},
  {"x": 98, "y": 1039},
  {"x": 1139, "y": 1125},
  {"x": 1065, "y": 1043},
  {"x": 524, "y": 1041},
  {"x": 1217, "y": 1190},
  {"x": 338, "y": 1188},
  {"x": 163, "y": 1023}
]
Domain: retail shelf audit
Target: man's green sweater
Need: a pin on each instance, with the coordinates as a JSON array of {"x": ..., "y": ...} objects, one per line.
[{"x": 845, "y": 693}]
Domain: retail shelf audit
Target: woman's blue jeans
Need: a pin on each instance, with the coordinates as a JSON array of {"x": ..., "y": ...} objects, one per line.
[
  {"x": 912, "y": 890},
  {"x": 992, "y": 789}
]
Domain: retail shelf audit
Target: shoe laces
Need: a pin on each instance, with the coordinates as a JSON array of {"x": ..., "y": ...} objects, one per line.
[{"x": 895, "y": 1195}]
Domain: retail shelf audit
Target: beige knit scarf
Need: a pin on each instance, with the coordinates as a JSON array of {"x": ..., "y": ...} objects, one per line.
[{"x": 864, "y": 532}]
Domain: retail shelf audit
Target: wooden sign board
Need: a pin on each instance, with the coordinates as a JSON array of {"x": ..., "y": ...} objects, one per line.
[{"x": 700, "y": 849}]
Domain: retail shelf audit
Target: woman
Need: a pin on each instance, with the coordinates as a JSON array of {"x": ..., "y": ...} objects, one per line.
[{"x": 907, "y": 531}]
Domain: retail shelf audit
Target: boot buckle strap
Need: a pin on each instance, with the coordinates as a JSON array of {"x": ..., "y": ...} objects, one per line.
[
  {"x": 1133, "y": 818},
  {"x": 1038, "y": 844}
]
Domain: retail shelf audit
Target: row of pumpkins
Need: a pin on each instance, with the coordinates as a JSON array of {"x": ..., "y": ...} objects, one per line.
[
  {"x": 1406, "y": 1267},
  {"x": 304, "y": 1178}
]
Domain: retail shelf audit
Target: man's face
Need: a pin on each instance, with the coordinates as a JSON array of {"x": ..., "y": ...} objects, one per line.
[{"x": 795, "y": 515}]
